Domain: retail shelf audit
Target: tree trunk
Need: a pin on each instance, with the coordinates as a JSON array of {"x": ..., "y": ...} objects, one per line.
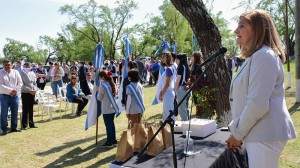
[{"x": 209, "y": 40}]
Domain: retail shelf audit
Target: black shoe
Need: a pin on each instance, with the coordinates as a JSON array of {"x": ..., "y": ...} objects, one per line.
[
  {"x": 107, "y": 144},
  {"x": 33, "y": 126},
  {"x": 115, "y": 143},
  {"x": 78, "y": 113},
  {"x": 3, "y": 133},
  {"x": 24, "y": 128},
  {"x": 15, "y": 130}
]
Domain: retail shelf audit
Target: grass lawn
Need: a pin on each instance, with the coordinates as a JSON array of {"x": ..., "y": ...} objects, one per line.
[{"x": 65, "y": 143}]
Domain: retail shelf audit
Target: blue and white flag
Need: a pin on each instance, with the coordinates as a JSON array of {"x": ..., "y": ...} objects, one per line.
[
  {"x": 124, "y": 73},
  {"x": 98, "y": 60},
  {"x": 165, "y": 46},
  {"x": 127, "y": 53},
  {"x": 94, "y": 110}
]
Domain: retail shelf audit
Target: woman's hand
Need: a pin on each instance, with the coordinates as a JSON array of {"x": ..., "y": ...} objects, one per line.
[
  {"x": 233, "y": 143},
  {"x": 160, "y": 96}
]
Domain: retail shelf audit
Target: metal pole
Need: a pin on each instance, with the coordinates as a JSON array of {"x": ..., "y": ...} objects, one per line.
[
  {"x": 297, "y": 46},
  {"x": 287, "y": 43}
]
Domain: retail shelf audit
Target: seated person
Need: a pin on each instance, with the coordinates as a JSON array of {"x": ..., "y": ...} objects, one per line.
[
  {"x": 87, "y": 84},
  {"x": 74, "y": 95}
]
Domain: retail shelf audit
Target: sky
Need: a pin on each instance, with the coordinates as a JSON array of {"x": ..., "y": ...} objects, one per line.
[{"x": 26, "y": 20}]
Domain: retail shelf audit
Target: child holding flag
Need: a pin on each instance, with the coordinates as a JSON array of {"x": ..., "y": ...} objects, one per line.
[
  {"x": 109, "y": 106},
  {"x": 135, "y": 103}
]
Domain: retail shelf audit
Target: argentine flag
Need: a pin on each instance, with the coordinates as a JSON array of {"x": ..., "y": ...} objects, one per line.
[
  {"x": 159, "y": 87},
  {"x": 124, "y": 74},
  {"x": 94, "y": 110}
]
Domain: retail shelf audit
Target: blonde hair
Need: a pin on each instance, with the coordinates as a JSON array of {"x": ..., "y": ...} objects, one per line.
[{"x": 264, "y": 33}]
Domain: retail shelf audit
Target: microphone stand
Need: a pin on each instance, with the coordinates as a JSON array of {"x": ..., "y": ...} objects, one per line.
[{"x": 169, "y": 119}]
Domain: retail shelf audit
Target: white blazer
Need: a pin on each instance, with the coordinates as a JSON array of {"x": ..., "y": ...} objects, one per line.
[{"x": 257, "y": 100}]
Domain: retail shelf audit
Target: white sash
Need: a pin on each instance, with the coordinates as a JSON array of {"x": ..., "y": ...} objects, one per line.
[
  {"x": 184, "y": 74},
  {"x": 111, "y": 97},
  {"x": 137, "y": 96}
]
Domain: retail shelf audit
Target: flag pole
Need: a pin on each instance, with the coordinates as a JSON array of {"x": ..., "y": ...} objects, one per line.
[{"x": 97, "y": 115}]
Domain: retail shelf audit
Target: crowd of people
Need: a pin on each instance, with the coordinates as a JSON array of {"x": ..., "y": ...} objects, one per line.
[{"x": 261, "y": 122}]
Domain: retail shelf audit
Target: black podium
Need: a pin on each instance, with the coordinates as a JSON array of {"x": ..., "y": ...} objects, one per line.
[{"x": 212, "y": 154}]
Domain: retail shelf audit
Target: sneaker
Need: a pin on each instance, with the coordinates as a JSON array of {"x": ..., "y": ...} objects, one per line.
[
  {"x": 107, "y": 144},
  {"x": 115, "y": 143}
]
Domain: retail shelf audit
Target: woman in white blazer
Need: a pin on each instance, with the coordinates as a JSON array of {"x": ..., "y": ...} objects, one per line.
[{"x": 261, "y": 122}]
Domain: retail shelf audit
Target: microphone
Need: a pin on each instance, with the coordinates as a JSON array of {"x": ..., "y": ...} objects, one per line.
[{"x": 221, "y": 51}]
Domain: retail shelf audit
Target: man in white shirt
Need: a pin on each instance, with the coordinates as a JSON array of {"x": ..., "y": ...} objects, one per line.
[
  {"x": 87, "y": 85},
  {"x": 10, "y": 85}
]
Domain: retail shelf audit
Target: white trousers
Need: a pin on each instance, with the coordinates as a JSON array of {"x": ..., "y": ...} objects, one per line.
[{"x": 264, "y": 154}]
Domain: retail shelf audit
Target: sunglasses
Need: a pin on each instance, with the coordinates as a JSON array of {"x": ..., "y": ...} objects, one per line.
[{"x": 73, "y": 78}]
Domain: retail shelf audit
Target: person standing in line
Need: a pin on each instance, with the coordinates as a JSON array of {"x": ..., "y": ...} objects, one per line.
[
  {"x": 109, "y": 107},
  {"x": 130, "y": 65},
  {"x": 66, "y": 69},
  {"x": 57, "y": 73},
  {"x": 167, "y": 94},
  {"x": 135, "y": 102},
  {"x": 155, "y": 70},
  {"x": 10, "y": 85},
  {"x": 181, "y": 81},
  {"x": 113, "y": 69},
  {"x": 230, "y": 64},
  {"x": 140, "y": 67},
  {"x": 41, "y": 74},
  {"x": 92, "y": 71},
  {"x": 50, "y": 77},
  {"x": 261, "y": 121},
  {"x": 82, "y": 70},
  {"x": 73, "y": 69},
  {"x": 28, "y": 92}
]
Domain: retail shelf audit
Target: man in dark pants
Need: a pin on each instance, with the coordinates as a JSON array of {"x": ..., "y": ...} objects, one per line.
[
  {"x": 229, "y": 63},
  {"x": 28, "y": 91},
  {"x": 141, "y": 68},
  {"x": 10, "y": 85},
  {"x": 155, "y": 70}
]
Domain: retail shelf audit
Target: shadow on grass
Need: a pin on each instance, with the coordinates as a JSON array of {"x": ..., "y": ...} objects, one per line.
[
  {"x": 67, "y": 145},
  {"x": 294, "y": 108},
  {"x": 46, "y": 118},
  {"x": 78, "y": 156},
  {"x": 103, "y": 161}
]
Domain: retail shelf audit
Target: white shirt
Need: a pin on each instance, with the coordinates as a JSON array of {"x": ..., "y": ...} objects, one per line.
[
  {"x": 10, "y": 81},
  {"x": 91, "y": 86}
]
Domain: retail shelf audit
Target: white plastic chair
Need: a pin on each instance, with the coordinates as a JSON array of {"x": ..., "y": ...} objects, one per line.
[
  {"x": 64, "y": 99},
  {"x": 49, "y": 104}
]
